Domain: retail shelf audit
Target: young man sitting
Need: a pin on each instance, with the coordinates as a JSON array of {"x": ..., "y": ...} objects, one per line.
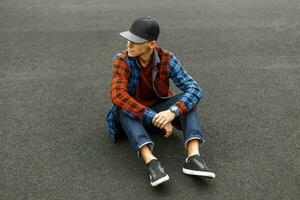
[{"x": 143, "y": 102}]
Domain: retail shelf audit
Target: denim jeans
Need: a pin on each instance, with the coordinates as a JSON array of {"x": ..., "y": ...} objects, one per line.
[{"x": 138, "y": 131}]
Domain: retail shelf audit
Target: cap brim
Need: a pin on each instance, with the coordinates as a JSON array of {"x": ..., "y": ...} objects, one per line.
[{"x": 132, "y": 38}]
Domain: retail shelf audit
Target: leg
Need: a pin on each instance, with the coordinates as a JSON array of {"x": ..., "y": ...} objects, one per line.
[
  {"x": 142, "y": 143},
  {"x": 194, "y": 164},
  {"x": 146, "y": 154},
  {"x": 193, "y": 136},
  {"x": 136, "y": 134},
  {"x": 189, "y": 122}
]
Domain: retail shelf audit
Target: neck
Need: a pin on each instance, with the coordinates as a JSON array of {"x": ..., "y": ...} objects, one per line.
[{"x": 146, "y": 57}]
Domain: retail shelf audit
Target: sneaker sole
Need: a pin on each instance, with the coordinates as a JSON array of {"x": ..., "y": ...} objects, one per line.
[
  {"x": 199, "y": 173},
  {"x": 159, "y": 181}
]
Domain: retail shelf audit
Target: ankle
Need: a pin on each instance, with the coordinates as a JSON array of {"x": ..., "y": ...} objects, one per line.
[
  {"x": 193, "y": 154},
  {"x": 148, "y": 159},
  {"x": 193, "y": 147},
  {"x": 146, "y": 154}
]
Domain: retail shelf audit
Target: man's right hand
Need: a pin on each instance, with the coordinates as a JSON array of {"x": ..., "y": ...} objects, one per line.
[{"x": 168, "y": 129}]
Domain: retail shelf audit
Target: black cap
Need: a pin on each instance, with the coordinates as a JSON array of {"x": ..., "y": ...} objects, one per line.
[{"x": 143, "y": 29}]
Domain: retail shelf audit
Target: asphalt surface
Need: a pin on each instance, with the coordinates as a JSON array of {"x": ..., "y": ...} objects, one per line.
[{"x": 55, "y": 70}]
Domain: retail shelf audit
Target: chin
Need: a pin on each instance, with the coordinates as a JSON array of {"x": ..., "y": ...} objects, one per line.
[{"x": 132, "y": 55}]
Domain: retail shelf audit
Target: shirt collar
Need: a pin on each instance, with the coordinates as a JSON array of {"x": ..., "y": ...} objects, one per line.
[{"x": 155, "y": 57}]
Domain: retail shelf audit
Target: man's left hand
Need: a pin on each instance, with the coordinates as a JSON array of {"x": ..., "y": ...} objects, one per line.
[{"x": 161, "y": 119}]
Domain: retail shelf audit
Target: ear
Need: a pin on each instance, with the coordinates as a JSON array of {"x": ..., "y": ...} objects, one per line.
[{"x": 153, "y": 44}]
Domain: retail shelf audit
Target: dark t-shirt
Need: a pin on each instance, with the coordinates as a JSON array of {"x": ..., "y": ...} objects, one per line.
[{"x": 145, "y": 93}]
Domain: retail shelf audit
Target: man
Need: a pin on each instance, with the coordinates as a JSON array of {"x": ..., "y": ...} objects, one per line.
[{"x": 143, "y": 102}]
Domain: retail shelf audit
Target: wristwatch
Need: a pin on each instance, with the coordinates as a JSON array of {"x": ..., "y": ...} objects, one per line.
[{"x": 175, "y": 109}]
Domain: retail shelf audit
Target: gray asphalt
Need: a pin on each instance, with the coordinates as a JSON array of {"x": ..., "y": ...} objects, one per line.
[{"x": 55, "y": 70}]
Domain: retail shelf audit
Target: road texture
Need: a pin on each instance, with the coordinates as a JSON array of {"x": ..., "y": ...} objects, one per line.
[{"x": 55, "y": 69}]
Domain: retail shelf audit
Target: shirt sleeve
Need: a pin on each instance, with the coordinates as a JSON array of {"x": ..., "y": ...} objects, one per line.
[
  {"x": 192, "y": 91},
  {"x": 120, "y": 96}
]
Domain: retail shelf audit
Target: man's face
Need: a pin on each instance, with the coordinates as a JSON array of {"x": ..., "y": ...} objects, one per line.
[{"x": 135, "y": 49}]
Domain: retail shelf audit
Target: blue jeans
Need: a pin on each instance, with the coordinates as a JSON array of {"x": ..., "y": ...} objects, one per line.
[{"x": 137, "y": 130}]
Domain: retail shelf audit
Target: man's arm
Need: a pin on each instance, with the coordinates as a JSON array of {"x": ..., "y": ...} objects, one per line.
[
  {"x": 120, "y": 96},
  {"x": 192, "y": 91}
]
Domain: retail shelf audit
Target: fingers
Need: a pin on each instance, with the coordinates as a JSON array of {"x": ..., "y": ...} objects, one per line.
[
  {"x": 160, "y": 121},
  {"x": 164, "y": 124},
  {"x": 154, "y": 119},
  {"x": 168, "y": 130},
  {"x": 168, "y": 133}
]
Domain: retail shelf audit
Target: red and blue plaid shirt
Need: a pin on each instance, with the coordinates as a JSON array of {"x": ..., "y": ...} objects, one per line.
[{"x": 126, "y": 76}]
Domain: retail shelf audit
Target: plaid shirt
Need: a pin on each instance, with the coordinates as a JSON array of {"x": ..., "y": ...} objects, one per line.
[{"x": 126, "y": 76}]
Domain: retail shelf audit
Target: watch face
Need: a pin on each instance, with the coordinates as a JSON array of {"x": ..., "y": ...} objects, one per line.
[{"x": 174, "y": 108}]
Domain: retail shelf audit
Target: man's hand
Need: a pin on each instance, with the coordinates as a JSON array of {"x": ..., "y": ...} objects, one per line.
[
  {"x": 168, "y": 129},
  {"x": 161, "y": 119}
]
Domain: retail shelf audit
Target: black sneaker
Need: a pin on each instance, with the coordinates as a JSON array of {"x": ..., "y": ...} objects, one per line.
[
  {"x": 196, "y": 166},
  {"x": 157, "y": 173}
]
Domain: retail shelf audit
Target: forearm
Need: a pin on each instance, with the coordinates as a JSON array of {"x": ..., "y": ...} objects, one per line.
[
  {"x": 191, "y": 89},
  {"x": 189, "y": 100},
  {"x": 130, "y": 106}
]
